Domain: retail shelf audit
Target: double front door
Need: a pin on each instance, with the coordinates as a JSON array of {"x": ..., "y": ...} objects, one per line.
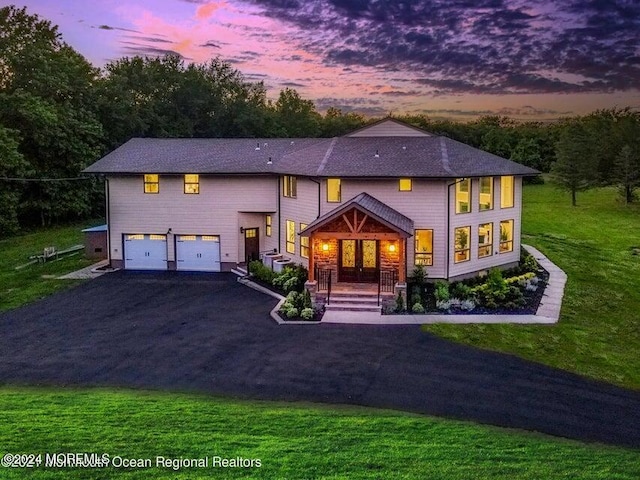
[{"x": 358, "y": 261}]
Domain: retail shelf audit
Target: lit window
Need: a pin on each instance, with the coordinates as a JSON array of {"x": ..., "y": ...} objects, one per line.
[
  {"x": 334, "y": 193},
  {"x": 137, "y": 236},
  {"x": 485, "y": 240},
  {"x": 486, "y": 193},
  {"x": 506, "y": 192},
  {"x": 405, "y": 184},
  {"x": 304, "y": 243},
  {"x": 191, "y": 183},
  {"x": 251, "y": 233},
  {"x": 462, "y": 251},
  {"x": 187, "y": 238},
  {"x": 267, "y": 229},
  {"x": 291, "y": 236},
  {"x": 151, "y": 183},
  {"x": 157, "y": 237},
  {"x": 463, "y": 195},
  {"x": 210, "y": 238},
  {"x": 506, "y": 236},
  {"x": 424, "y": 247},
  {"x": 289, "y": 187}
]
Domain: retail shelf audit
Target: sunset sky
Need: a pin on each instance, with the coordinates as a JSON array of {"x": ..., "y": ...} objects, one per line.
[{"x": 529, "y": 59}]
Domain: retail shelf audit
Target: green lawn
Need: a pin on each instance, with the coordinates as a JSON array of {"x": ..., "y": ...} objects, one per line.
[
  {"x": 599, "y": 330},
  {"x": 18, "y": 287},
  {"x": 291, "y": 440}
]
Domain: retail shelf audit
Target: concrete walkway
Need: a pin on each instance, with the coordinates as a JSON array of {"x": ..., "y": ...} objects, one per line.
[{"x": 87, "y": 273}]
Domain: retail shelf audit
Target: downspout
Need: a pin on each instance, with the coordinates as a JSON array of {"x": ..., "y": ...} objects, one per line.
[
  {"x": 279, "y": 214},
  {"x": 107, "y": 216}
]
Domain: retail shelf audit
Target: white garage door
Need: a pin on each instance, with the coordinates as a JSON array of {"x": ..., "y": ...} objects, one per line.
[
  {"x": 145, "y": 252},
  {"x": 198, "y": 253}
]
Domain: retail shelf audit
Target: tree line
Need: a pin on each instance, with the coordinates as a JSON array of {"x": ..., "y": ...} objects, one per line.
[{"x": 59, "y": 114}]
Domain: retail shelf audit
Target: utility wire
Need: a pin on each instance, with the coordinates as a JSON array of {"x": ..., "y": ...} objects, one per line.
[{"x": 13, "y": 179}]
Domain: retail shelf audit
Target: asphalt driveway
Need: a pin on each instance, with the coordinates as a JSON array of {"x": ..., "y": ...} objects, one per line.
[{"x": 206, "y": 332}]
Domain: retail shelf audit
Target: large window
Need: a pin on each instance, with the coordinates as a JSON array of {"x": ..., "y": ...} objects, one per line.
[
  {"x": 424, "y": 247},
  {"x": 267, "y": 224},
  {"x": 192, "y": 184},
  {"x": 462, "y": 252},
  {"x": 405, "y": 185},
  {"x": 334, "y": 193},
  {"x": 291, "y": 236},
  {"x": 506, "y": 192},
  {"x": 151, "y": 183},
  {"x": 485, "y": 240},
  {"x": 289, "y": 187},
  {"x": 506, "y": 236},
  {"x": 304, "y": 243},
  {"x": 463, "y": 195},
  {"x": 486, "y": 193}
]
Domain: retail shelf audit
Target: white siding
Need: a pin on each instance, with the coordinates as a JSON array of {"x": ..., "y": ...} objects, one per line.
[
  {"x": 214, "y": 211},
  {"x": 389, "y": 128},
  {"x": 302, "y": 209}
]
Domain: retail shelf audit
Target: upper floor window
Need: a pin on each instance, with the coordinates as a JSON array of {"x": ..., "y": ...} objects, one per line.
[
  {"x": 405, "y": 185},
  {"x": 424, "y": 247},
  {"x": 268, "y": 223},
  {"x": 289, "y": 187},
  {"x": 486, "y": 193},
  {"x": 192, "y": 183},
  {"x": 506, "y": 192},
  {"x": 485, "y": 240},
  {"x": 334, "y": 192},
  {"x": 462, "y": 250},
  {"x": 304, "y": 243},
  {"x": 506, "y": 236},
  {"x": 151, "y": 183},
  {"x": 291, "y": 236},
  {"x": 463, "y": 195}
]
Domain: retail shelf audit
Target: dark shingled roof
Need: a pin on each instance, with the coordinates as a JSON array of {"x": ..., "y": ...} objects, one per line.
[
  {"x": 433, "y": 156},
  {"x": 371, "y": 205}
]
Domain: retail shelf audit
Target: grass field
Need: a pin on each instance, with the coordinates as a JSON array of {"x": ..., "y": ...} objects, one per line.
[
  {"x": 597, "y": 336},
  {"x": 599, "y": 330},
  {"x": 18, "y": 287},
  {"x": 291, "y": 440}
]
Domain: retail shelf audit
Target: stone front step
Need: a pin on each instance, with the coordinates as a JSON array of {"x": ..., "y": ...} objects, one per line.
[
  {"x": 353, "y": 302},
  {"x": 353, "y": 307}
]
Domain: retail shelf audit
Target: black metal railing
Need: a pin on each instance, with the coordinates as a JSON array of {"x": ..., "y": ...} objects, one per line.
[
  {"x": 386, "y": 282},
  {"x": 323, "y": 277}
]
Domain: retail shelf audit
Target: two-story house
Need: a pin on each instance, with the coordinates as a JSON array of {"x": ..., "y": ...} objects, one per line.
[{"x": 381, "y": 199}]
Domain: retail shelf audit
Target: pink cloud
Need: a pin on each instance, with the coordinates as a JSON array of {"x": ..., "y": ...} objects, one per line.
[{"x": 207, "y": 10}]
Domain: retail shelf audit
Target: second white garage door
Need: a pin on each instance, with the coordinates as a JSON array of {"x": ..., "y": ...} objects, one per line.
[{"x": 198, "y": 253}]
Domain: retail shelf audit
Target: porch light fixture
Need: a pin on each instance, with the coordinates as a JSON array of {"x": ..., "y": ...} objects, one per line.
[
  {"x": 241, "y": 229},
  {"x": 325, "y": 247},
  {"x": 392, "y": 247}
]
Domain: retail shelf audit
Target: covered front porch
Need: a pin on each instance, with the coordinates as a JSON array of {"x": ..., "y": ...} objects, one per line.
[{"x": 360, "y": 247}]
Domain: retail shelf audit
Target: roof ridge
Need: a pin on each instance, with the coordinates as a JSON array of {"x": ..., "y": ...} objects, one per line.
[
  {"x": 327, "y": 154},
  {"x": 445, "y": 156}
]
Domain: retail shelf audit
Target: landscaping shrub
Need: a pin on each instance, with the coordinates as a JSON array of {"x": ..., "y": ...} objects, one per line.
[
  {"x": 461, "y": 291},
  {"x": 298, "y": 305},
  {"x": 307, "y": 313},
  {"x": 442, "y": 291},
  {"x": 528, "y": 263},
  {"x": 399, "y": 303},
  {"x": 262, "y": 272},
  {"x": 418, "y": 275},
  {"x": 292, "y": 312},
  {"x": 417, "y": 308},
  {"x": 291, "y": 279}
]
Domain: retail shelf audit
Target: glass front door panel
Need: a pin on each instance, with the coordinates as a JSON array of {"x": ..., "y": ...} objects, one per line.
[
  {"x": 369, "y": 254},
  {"x": 349, "y": 253}
]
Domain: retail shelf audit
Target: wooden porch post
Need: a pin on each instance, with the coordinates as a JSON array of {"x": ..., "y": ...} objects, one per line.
[
  {"x": 311, "y": 260},
  {"x": 402, "y": 274}
]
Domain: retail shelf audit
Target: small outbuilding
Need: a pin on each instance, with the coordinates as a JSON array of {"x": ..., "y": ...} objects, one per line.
[{"x": 95, "y": 242}]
